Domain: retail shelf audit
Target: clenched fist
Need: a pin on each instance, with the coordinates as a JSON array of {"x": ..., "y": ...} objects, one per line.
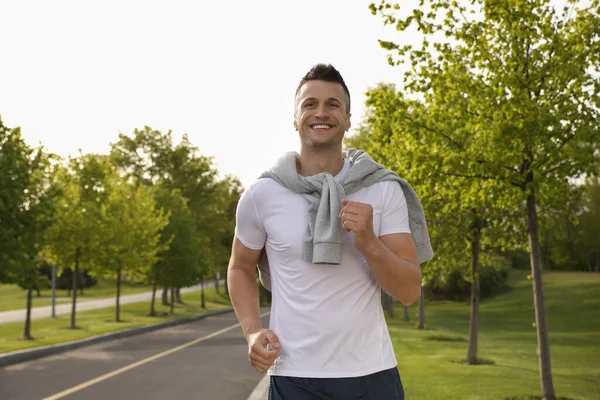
[
  {"x": 263, "y": 349},
  {"x": 358, "y": 218}
]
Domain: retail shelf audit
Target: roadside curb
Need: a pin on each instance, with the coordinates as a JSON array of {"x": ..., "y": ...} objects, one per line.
[
  {"x": 261, "y": 391},
  {"x": 20, "y": 356}
]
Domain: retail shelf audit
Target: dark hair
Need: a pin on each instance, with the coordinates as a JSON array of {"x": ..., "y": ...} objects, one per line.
[{"x": 325, "y": 72}]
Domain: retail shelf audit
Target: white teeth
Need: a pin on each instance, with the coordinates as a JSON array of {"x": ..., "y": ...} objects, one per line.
[{"x": 321, "y": 126}]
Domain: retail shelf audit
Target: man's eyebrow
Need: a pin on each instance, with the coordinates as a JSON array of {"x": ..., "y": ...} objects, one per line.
[{"x": 314, "y": 99}]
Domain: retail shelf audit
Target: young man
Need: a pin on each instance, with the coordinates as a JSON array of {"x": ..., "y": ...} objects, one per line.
[{"x": 333, "y": 229}]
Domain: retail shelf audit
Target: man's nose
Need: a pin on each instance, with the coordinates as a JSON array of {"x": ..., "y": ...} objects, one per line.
[{"x": 322, "y": 111}]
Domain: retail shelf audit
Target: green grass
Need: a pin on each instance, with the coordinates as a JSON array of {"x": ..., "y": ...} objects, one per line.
[
  {"x": 12, "y": 297},
  {"x": 49, "y": 331},
  {"x": 430, "y": 361}
]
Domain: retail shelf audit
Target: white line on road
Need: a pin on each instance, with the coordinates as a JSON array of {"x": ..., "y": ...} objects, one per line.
[{"x": 141, "y": 362}]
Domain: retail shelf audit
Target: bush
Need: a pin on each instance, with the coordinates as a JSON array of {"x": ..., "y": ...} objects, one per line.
[
  {"x": 65, "y": 280},
  {"x": 456, "y": 285}
]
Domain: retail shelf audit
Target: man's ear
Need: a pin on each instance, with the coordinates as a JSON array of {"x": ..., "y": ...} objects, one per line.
[
  {"x": 348, "y": 123},
  {"x": 295, "y": 123}
]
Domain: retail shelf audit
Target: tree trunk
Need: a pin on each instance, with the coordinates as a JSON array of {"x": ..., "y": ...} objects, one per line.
[
  {"x": 165, "y": 296},
  {"x": 422, "y": 309},
  {"x": 178, "y": 295},
  {"x": 406, "y": 313},
  {"x": 597, "y": 267},
  {"x": 216, "y": 284},
  {"x": 152, "y": 309},
  {"x": 202, "y": 291},
  {"x": 226, "y": 287},
  {"x": 538, "y": 298},
  {"x": 571, "y": 247},
  {"x": 74, "y": 288},
  {"x": 38, "y": 292},
  {"x": 172, "y": 300},
  {"x": 118, "y": 305},
  {"x": 390, "y": 305},
  {"x": 27, "y": 333},
  {"x": 475, "y": 248},
  {"x": 386, "y": 302}
]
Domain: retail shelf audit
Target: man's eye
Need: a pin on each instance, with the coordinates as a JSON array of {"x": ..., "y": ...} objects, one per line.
[
  {"x": 333, "y": 105},
  {"x": 309, "y": 105}
]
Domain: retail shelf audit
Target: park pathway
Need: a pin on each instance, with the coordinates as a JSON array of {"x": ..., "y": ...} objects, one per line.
[{"x": 65, "y": 308}]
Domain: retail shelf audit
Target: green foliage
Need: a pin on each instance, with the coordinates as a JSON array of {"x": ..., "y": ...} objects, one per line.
[
  {"x": 129, "y": 230},
  {"x": 505, "y": 93},
  {"x": 177, "y": 265},
  {"x": 14, "y": 181},
  {"x": 28, "y": 196},
  {"x": 454, "y": 283},
  {"x": 511, "y": 95},
  {"x": 74, "y": 236},
  {"x": 186, "y": 186},
  {"x": 590, "y": 224}
]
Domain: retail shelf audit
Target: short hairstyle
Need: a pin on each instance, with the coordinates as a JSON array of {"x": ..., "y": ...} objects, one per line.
[{"x": 325, "y": 72}]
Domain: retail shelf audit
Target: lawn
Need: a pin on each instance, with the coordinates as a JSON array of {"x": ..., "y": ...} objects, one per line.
[
  {"x": 49, "y": 331},
  {"x": 430, "y": 361},
  {"x": 12, "y": 297}
]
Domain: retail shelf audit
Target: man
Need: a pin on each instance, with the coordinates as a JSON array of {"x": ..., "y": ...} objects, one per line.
[{"x": 335, "y": 229}]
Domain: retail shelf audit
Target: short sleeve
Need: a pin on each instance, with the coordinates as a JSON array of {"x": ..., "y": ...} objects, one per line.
[
  {"x": 248, "y": 225},
  {"x": 394, "y": 217}
]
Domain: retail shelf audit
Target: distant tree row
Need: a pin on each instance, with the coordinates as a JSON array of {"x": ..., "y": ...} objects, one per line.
[{"x": 150, "y": 211}]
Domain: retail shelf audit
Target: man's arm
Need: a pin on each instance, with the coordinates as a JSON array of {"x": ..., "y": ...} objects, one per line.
[
  {"x": 243, "y": 291},
  {"x": 392, "y": 258}
]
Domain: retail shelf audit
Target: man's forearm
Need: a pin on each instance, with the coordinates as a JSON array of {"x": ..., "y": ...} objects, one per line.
[
  {"x": 397, "y": 276},
  {"x": 243, "y": 292}
]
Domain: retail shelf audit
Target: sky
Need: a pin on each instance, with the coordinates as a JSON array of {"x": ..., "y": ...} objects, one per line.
[{"x": 73, "y": 74}]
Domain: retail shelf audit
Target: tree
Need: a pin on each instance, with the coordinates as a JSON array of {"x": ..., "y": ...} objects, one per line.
[
  {"x": 513, "y": 98},
  {"x": 73, "y": 239},
  {"x": 177, "y": 263},
  {"x": 149, "y": 157},
  {"x": 37, "y": 214},
  {"x": 14, "y": 181},
  {"x": 27, "y": 204},
  {"x": 129, "y": 233}
]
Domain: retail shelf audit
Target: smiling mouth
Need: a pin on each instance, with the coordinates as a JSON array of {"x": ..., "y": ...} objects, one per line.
[{"x": 321, "y": 127}]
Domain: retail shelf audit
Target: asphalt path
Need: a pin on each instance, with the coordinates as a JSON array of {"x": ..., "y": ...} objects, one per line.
[
  {"x": 205, "y": 359},
  {"x": 65, "y": 308}
]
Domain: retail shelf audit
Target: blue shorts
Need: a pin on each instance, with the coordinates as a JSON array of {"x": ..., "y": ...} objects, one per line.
[{"x": 383, "y": 385}]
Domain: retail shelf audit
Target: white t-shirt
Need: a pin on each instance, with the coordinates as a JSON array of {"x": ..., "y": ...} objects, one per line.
[{"x": 328, "y": 318}]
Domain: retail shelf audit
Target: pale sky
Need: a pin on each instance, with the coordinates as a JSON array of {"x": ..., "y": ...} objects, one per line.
[{"x": 73, "y": 74}]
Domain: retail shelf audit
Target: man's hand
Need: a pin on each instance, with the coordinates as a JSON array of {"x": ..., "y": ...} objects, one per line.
[
  {"x": 263, "y": 349},
  {"x": 358, "y": 218}
]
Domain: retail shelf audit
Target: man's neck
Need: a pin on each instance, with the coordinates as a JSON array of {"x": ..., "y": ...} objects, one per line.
[{"x": 311, "y": 163}]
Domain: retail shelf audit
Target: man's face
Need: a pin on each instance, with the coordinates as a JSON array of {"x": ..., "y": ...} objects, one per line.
[{"x": 320, "y": 115}]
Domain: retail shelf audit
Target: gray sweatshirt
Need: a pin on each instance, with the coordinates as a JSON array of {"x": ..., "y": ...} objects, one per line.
[{"x": 324, "y": 237}]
